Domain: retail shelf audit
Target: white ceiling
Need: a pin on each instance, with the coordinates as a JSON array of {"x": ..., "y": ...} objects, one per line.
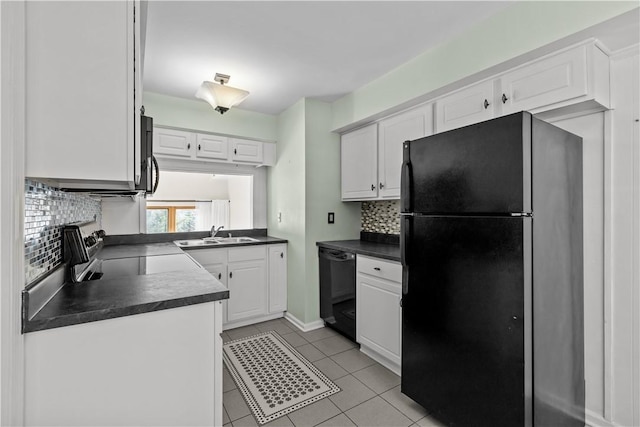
[{"x": 283, "y": 51}]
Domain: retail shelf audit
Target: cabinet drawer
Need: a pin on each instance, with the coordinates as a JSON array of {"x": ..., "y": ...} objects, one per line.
[
  {"x": 209, "y": 256},
  {"x": 382, "y": 268},
  {"x": 247, "y": 254}
]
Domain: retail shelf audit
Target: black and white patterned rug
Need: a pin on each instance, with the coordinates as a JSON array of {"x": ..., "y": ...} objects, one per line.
[{"x": 273, "y": 377}]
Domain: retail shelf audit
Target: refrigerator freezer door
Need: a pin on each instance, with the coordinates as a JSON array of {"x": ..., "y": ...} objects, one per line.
[
  {"x": 482, "y": 168},
  {"x": 463, "y": 330}
]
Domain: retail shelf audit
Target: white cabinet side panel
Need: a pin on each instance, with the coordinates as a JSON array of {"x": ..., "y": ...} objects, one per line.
[{"x": 151, "y": 369}]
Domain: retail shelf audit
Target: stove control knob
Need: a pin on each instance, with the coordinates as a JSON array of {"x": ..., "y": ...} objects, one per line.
[
  {"x": 101, "y": 234},
  {"x": 90, "y": 241}
]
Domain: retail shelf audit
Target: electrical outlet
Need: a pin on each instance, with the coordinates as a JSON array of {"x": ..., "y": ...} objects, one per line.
[{"x": 331, "y": 217}]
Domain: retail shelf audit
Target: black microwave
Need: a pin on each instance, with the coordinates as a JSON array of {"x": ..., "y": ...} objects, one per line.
[{"x": 148, "y": 163}]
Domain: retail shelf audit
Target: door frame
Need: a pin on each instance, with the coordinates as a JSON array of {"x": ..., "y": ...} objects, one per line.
[{"x": 12, "y": 161}]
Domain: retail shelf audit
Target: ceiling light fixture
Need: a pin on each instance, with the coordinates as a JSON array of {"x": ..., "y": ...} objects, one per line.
[{"x": 221, "y": 97}]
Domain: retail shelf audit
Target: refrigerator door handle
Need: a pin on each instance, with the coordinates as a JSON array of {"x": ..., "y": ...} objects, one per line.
[
  {"x": 405, "y": 187},
  {"x": 405, "y": 234}
]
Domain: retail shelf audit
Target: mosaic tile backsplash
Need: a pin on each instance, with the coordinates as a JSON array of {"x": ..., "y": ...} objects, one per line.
[
  {"x": 47, "y": 209},
  {"x": 381, "y": 216}
]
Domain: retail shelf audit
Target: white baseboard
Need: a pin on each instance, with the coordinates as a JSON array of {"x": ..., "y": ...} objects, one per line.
[
  {"x": 593, "y": 419},
  {"x": 304, "y": 327},
  {"x": 253, "y": 320},
  {"x": 390, "y": 365}
]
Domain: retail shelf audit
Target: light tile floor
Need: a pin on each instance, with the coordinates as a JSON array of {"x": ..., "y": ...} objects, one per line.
[{"x": 370, "y": 393}]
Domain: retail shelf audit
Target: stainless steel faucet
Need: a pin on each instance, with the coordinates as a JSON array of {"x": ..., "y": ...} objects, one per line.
[{"x": 215, "y": 230}]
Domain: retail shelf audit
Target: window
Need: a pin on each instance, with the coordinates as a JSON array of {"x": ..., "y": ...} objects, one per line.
[
  {"x": 169, "y": 219},
  {"x": 196, "y": 201}
]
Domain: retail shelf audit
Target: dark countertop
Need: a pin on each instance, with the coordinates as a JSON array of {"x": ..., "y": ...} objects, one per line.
[
  {"x": 362, "y": 247},
  {"x": 131, "y": 293},
  {"x": 126, "y": 296},
  {"x": 145, "y": 249}
]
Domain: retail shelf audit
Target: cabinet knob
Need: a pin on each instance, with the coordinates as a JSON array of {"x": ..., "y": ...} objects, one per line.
[
  {"x": 189, "y": 146},
  {"x": 381, "y": 186},
  {"x": 504, "y": 98},
  {"x": 281, "y": 254},
  {"x": 230, "y": 274},
  {"x": 199, "y": 147},
  {"x": 486, "y": 104},
  {"x": 235, "y": 151},
  {"x": 219, "y": 276},
  {"x": 373, "y": 187},
  {"x": 376, "y": 268}
]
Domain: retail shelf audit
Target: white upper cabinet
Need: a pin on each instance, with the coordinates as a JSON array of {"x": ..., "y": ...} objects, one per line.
[
  {"x": 392, "y": 132},
  {"x": 82, "y": 119},
  {"x": 183, "y": 144},
  {"x": 545, "y": 82},
  {"x": 470, "y": 105},
  {"x": 567, "y": 82},
  {"x": 212, "y": 146},
  {"x": 173, "y": 142},
  {"x": 359, "y": 163},
  {"x": 245, "y": 150}
]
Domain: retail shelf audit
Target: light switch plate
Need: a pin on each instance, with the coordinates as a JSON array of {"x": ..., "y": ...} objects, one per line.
[{"x": 331, "y": 218}]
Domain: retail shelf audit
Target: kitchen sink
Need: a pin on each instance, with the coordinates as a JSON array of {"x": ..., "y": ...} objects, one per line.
[
  {"x": 222, "y": 240},
  {"x": 214, "y": 241}
]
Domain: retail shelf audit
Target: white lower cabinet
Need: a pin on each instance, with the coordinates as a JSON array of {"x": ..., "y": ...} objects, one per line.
[
  {"x": 277, "y": 278},
  {"x": 247, "y": 282},
  {"x": 256, "y": 277},
  {"x": 151, "y": 369},
  {"x": 379, "y": 314}
]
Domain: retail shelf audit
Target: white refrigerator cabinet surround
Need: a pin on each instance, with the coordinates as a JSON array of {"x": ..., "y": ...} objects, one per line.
[
  {"x": 151, "y": 369},
  {"x": 83, "y": 119},
  {"x": 379, "y": 314},
  {"x": 208, "y": 147},
  {"x": 567, "y": 82},
  {"x": 575, "y": 75},
  {"x": 470, "y": 105},
  {"x": 256, "y": 277}
]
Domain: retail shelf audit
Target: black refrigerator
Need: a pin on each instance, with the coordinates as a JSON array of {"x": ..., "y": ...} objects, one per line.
[{"x": 492, "y": 254}]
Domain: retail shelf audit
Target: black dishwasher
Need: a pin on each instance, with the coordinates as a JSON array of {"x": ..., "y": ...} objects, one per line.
[{"x": 338, "y": 290}]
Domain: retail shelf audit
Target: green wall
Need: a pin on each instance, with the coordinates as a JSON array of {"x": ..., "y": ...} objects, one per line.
[
  {"x": 198, "y": 115},
  {"x": 304, "y": 186},
  {"x": 323, "y": 194},
  {"x": 286, "y": 194},
  {"x": 516, "y": 30}
]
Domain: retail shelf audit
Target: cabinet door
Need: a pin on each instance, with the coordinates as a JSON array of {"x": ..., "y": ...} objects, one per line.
[
  {"x": 247, "y": 283},
  {"x": 277, "y": 278},
  {"x": 392, "y": 133},
  {"x": 245, "y": 150},
  {"x": 378, "y": 323},
  {"x": 359, "y": 163},
  {"x": 554, "y": 79},
  {"x": 471, "y": 105},
  {"x": 219, "y": 271},
  {"x": 212, "y": 147},
  {"x": 79, "y": 69},
  {"x": 173, "y": 142}
]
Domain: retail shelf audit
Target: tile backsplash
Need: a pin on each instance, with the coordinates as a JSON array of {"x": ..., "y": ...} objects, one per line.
[
  {"x": 47, "y": 210},
  {"x": 381, "y": 216}
]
